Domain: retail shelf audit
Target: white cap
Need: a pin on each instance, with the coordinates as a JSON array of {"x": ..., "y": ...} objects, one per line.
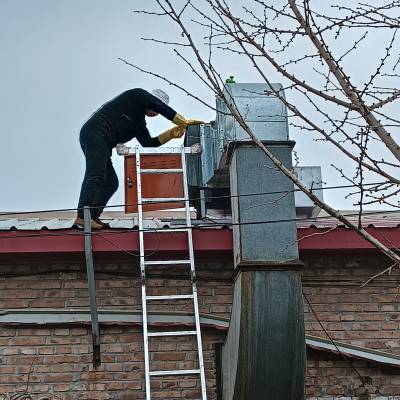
[{"x": 161, "y": 95}]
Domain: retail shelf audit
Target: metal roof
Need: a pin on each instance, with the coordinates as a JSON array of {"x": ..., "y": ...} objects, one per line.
[
  {"x": 36, "y": 224},
  {"x": 44, "y": 316},
  {"x": 378, "y": 219},
  {"x": 65, "y": 220},
  {"x": 361, "y": 353},
  {"x": 160, "y": 219}
]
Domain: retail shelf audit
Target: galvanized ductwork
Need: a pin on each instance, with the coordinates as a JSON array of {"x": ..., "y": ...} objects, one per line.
[
  {"x": 208, "y": 172},
  {"x": 264, "y": 353}
]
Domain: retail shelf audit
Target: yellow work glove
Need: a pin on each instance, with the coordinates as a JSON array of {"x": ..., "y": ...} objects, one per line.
[
  {"x": 173, "y": 133},
  {"x": 181, "y": 121}
]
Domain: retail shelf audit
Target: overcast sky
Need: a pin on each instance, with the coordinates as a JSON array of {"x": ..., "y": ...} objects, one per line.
[{"x": 60, "y": 63}]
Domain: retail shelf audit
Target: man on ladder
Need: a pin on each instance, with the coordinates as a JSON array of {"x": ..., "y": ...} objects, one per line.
[{"x": 118, "y": 121}]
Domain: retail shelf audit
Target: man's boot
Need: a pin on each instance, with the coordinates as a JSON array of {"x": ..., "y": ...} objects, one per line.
[{"x": 79, "y": 223}]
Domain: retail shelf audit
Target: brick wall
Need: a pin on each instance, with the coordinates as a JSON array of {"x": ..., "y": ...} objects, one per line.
[
  {"x": 58, "y": 358},
  {"x": 117, "y": 285},
  {"x": 367, "y": 317},
  {"x": 332, "y": 377}
]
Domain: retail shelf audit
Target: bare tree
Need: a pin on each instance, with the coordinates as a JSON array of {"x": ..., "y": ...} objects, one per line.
[{"x": 312, "y": 47}]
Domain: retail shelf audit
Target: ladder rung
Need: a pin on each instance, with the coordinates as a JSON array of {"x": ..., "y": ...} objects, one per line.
[
  {"x": 165, "y": 150},
  {"x": 162, "y": 199},
  {"x": 172, "y": 333},
  {"x": 161, "y": 171},
  {"x": 170, "y": 297},
  {"x": 167, "y": 262},
  {"x": 175, "y": 372}
]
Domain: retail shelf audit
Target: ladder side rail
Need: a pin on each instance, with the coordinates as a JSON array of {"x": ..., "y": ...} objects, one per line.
[
  {"x": 193, "y": 275},
  {"x": 143, "y": 275}
]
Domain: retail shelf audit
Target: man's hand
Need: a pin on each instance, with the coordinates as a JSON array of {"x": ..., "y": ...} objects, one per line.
[
  {"x": 183, "y": 122},
  {"x": 177, "y": 132},
  {"x": 173, "y": 133},
  {"x": 122, "y": 150},
  {"x": 194, "y": 122}
]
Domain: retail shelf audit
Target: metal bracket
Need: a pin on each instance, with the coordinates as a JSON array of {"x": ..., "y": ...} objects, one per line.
[{"x": 92, "y": 287}]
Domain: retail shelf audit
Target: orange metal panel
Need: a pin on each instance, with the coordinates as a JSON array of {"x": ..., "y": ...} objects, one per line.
[{"x": 153, "y": 185}]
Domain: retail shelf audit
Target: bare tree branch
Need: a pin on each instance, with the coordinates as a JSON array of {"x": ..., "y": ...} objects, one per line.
[
  {"x": 342, "y": 113},
  {"x": 347, "y": 86}
]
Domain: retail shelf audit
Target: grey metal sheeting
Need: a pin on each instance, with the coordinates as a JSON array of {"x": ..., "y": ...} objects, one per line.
[
  {"x": 389, "y": 220},
  {"x": 45, "y": 316},
  {"x": 361, "y": 353}
]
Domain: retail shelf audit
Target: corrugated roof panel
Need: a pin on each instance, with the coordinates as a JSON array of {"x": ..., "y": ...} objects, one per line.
[
  {"x": 124, "y": 221},
  {"x": 57, "y": 223},
  {"x": 34, "y": 224},
  {"x": 381, "y": 221},
  {"x": 121, "y": 223},
  {"x": 8, "y": 224}
]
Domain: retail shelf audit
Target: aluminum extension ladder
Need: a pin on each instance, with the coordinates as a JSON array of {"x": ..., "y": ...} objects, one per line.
[{"x": 190, "y": 262}]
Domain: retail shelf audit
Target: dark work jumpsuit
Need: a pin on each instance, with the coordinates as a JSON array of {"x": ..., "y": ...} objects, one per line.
[{"x": 118, "y": 121}]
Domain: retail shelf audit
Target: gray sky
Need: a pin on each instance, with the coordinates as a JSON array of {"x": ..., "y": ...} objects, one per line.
[{"x": 59, "y": 63}]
